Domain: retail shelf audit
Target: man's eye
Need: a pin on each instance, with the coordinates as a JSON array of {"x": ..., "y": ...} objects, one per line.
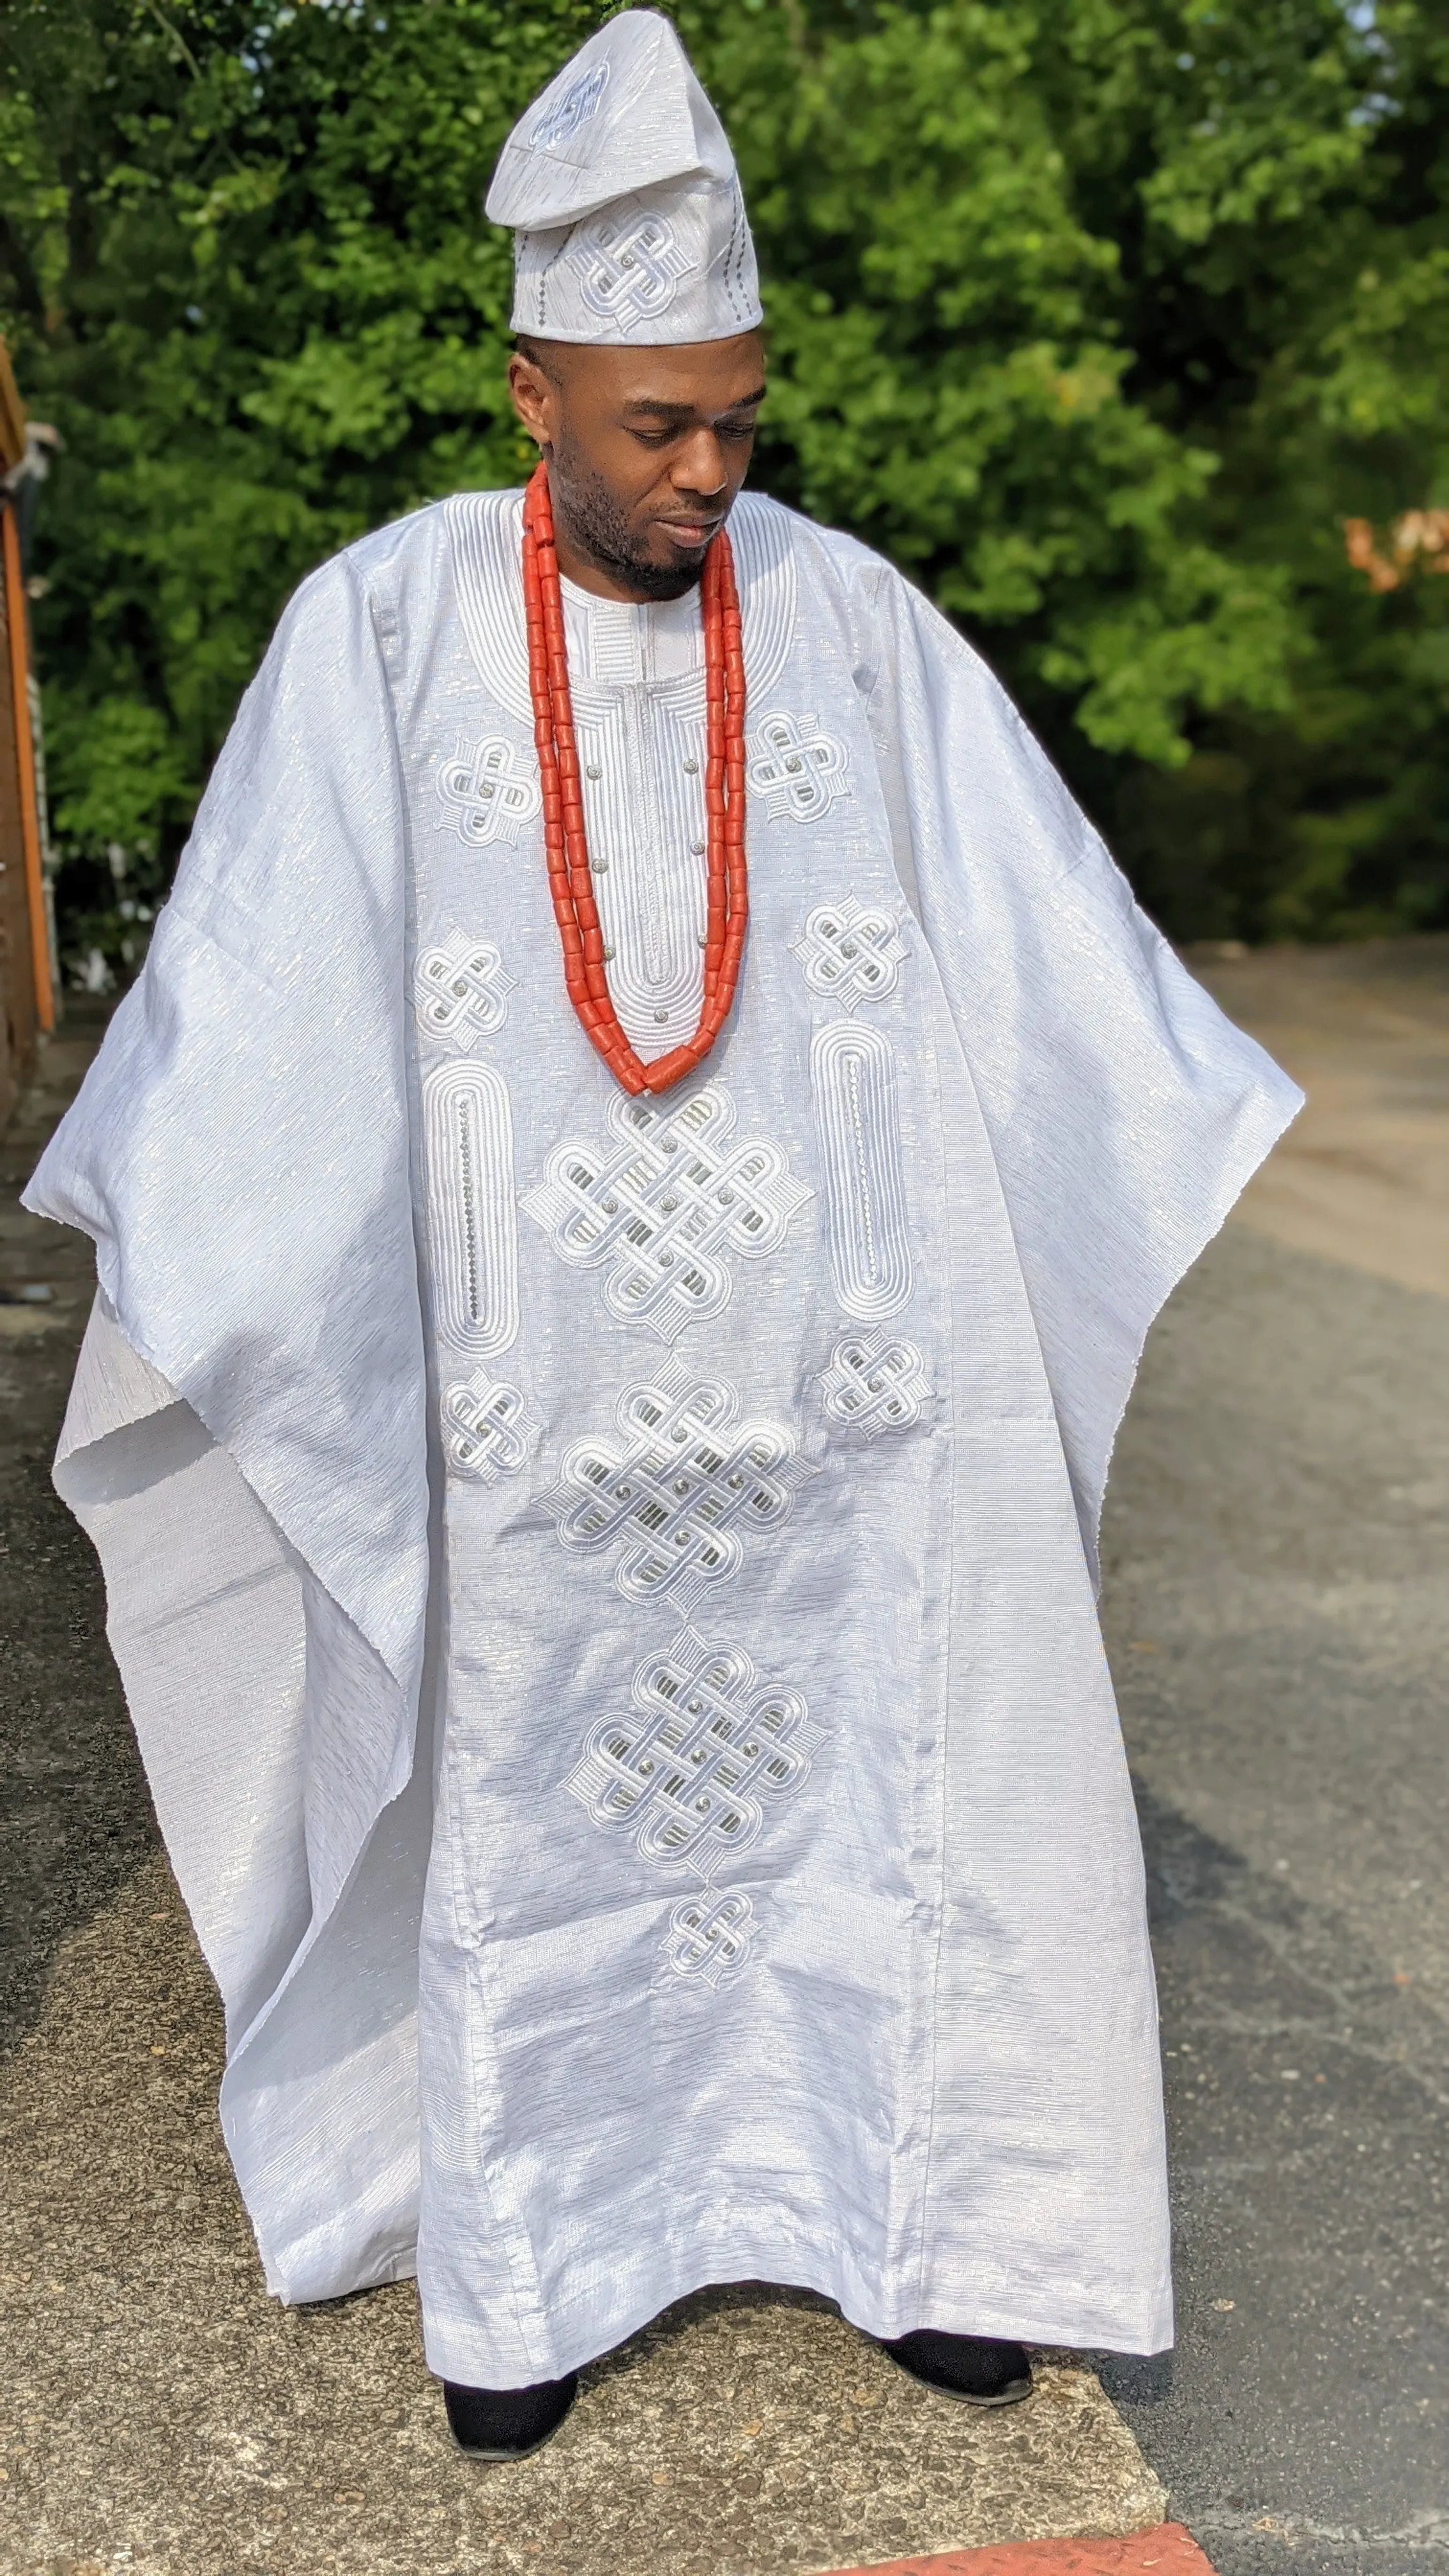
[{"x": 726, "y": 430}]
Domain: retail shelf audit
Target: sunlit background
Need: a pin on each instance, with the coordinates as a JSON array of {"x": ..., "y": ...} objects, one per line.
[{"x": 1122, "y": 326}]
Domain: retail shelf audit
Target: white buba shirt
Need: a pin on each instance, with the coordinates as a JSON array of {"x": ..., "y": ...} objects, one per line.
[{"x": 719, "y": 1474}]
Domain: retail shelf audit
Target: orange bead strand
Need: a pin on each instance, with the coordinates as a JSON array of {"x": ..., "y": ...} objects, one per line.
[{"x": 566, "y": 849}]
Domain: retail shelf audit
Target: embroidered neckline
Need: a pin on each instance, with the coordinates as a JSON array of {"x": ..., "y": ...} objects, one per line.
[
  {"x": 614, "y": 641},
  {"x": 485, "y": 533}
]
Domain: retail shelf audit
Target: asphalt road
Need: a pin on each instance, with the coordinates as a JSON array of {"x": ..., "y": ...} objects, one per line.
[{"x": 1277, "y": 1613}]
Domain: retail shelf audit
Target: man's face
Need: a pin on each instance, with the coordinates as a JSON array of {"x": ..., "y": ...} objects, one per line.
[{"x": 646, "y": 450}]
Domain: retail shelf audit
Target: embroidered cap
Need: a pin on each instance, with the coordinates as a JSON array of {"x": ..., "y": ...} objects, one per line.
[{"x": 621, "y": 190}]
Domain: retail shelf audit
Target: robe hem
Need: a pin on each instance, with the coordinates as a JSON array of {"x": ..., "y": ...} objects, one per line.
[{"x": 455, "y": 2350}]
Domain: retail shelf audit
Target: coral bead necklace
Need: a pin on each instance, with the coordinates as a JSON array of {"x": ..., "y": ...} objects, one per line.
[{"x": 565, "y": 844}]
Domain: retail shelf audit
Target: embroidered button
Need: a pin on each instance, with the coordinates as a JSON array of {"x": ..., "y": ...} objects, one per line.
[
  {"x": 691, "y": 769},
  {"x": 698, "y": 848},
  {"x": 591, "y": 772},
  {"x": 661, "y": 1017}
]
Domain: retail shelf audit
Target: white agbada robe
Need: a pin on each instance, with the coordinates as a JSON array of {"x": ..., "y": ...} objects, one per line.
[{"x": 719, "y": 1473}]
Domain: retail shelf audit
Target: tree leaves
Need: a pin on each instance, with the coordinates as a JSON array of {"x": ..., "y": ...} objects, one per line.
[{"x": 1100, "y": 319}]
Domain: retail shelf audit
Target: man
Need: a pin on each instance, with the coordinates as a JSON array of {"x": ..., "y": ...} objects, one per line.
[{"x": 595, "y": 1426}]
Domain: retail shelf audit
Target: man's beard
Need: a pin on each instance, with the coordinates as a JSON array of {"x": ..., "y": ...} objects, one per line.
[{"x": 599, "y": 530}]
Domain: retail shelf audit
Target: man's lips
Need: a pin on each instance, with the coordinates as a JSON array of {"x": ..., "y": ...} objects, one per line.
[{"x": 691, "y": 532}]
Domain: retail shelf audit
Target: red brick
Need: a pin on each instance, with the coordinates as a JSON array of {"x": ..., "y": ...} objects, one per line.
[{"x": 1168, "y": 2550}]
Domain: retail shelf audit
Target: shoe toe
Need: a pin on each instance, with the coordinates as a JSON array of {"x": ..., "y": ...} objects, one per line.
[
  {"x": 980, "y": 2370},
  {"x": 508, "y": 2423}
]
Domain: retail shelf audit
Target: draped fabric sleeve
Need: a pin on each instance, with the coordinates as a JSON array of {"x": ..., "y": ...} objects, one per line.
[
  {"x": 239, "y": 1148},
  {"x": 1125, "y": 1112},
  {"x": 246, "y": 1440}
]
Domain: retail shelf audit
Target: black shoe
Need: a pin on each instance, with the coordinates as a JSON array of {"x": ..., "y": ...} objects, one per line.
[
  {"x": 508, "y": 2423},
  {"x": 976, "y": 2368}
]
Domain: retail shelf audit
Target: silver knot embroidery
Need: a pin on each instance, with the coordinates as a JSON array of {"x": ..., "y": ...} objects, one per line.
[
  {"x": 795, "y": 767},
  {"x": 851, "y": 952},
  {"x": 690, "y": 1771},
  {"x": 691, "y": 1767},
  {"x": 461, "y": 990},
  {"x": 488, "y": 1428},
  {"x": 666, "y": 1207},
  {"x": 485, "y": 794},
  {"x": 680, "y": 1488},
  {"x": 875, "y": 1383},
  {"x": 630, "y": 263},
  {"x": 709, "y": 1936}
]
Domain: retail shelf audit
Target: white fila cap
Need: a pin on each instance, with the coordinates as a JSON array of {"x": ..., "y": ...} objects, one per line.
[{"x": 622, "y": 194}]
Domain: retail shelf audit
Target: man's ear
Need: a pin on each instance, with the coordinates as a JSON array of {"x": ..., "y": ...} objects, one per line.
[{"x": 534, "y": 397}]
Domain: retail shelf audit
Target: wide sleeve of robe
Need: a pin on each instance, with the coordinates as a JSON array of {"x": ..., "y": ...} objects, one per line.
[
  {"x": 245, "y": 1440},
  {"x": 1125, "y": 1111}
]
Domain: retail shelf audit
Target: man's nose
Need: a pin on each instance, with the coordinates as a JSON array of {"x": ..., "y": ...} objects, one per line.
[{"x": 699, "y": 467}]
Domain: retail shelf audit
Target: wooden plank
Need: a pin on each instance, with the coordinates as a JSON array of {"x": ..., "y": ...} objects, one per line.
[
  {"x": 12, "y": 415},
  {"x": 25, "y": 769}
]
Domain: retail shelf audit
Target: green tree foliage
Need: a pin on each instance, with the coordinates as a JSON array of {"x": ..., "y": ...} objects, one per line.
[{"x": 1100, "y": 318}]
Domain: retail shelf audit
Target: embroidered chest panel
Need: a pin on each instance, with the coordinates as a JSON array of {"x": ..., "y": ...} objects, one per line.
[{"x": 612, "y": 1283}]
